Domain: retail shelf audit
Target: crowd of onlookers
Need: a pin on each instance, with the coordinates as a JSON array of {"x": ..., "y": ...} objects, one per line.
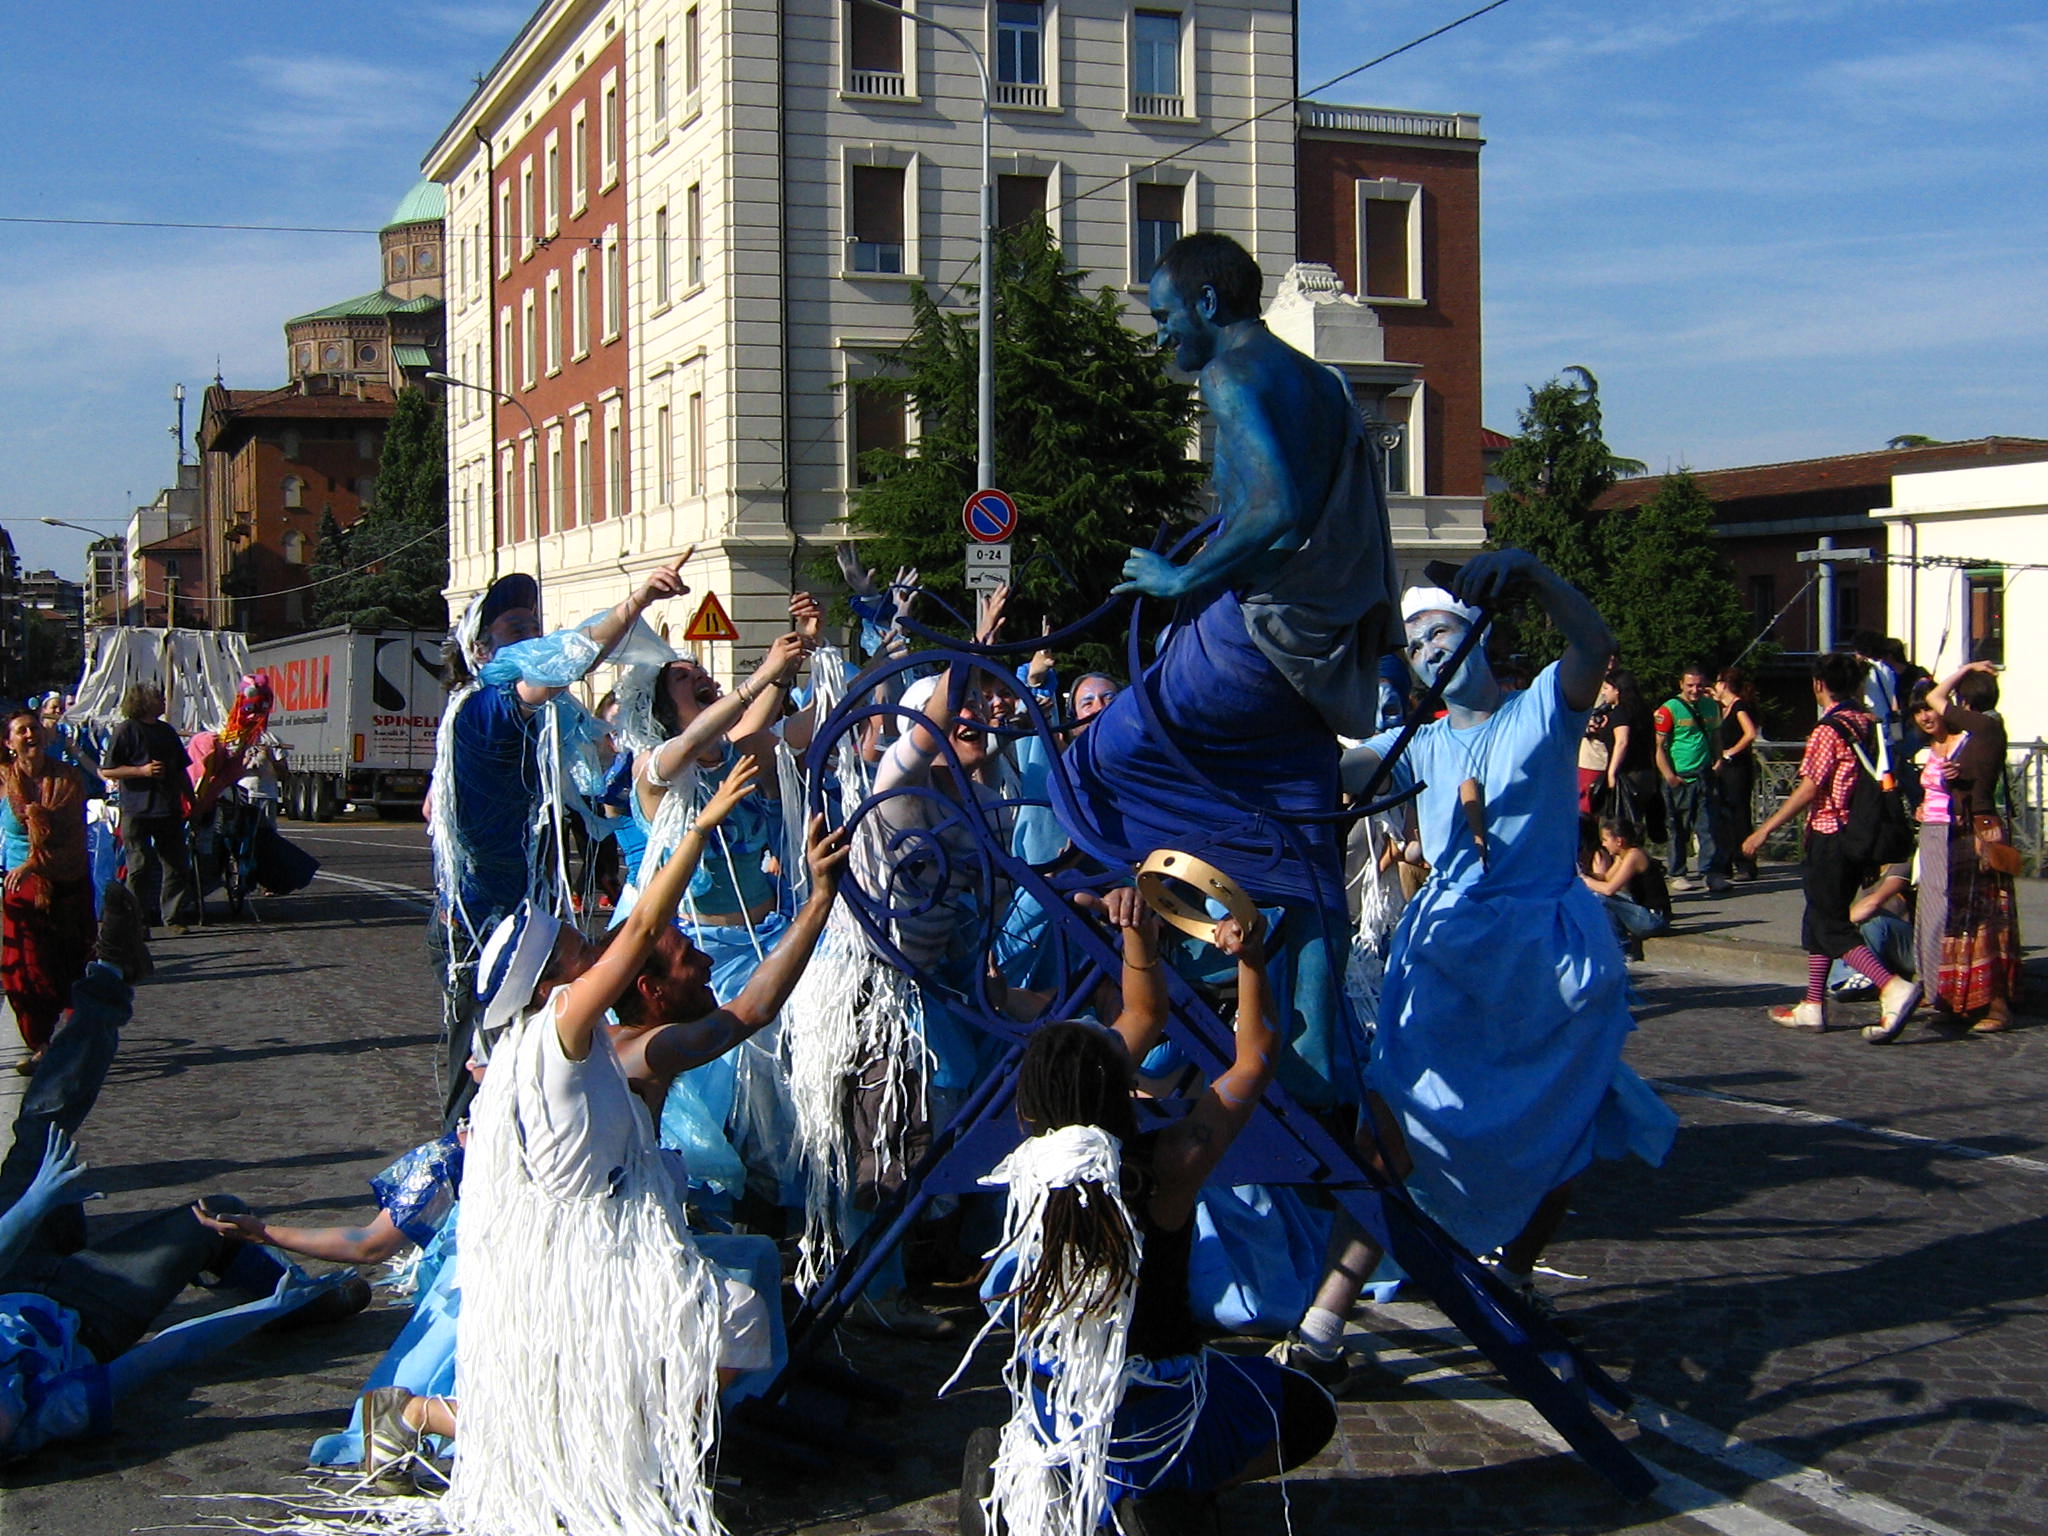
[{"x": 1670, "y": 800}]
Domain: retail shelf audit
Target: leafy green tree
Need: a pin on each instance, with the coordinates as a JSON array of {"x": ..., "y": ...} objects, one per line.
[
  {"x": 387, "y": 570},
  {"x": 1092, "y": 437},
  {"x": 1666, "y": 589}
]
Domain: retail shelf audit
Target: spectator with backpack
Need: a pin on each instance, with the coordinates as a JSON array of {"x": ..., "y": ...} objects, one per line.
[{"x": 1852, "y": 817}]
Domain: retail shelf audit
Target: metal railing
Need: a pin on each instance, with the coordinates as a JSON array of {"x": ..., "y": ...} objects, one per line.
[{"x": 2024, "y": 797}]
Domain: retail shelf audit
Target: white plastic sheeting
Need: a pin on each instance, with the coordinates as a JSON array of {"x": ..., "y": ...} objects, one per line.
[{"x": 197, "y": 668}]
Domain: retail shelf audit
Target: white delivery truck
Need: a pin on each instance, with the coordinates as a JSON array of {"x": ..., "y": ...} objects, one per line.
[{"x": 358, "y": 710}]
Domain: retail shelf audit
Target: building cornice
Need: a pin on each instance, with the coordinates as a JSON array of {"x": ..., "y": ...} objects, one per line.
[{"x": 506, "y": 84}]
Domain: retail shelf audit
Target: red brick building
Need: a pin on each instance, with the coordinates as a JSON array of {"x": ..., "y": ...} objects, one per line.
[
  {"x": 1766, "y": 513},
  {"x": 1390, "y": 201},
  {"x": 558, "y": 337},
  {"x": 274, "y": 462}
]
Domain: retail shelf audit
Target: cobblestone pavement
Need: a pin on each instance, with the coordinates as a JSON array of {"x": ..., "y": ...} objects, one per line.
[{"x": 1829, "y": 1299}]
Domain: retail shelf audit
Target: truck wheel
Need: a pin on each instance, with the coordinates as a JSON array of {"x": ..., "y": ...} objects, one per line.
[
  {"x": 292, "y": 805},
  {"x": 323, "y": 799}
]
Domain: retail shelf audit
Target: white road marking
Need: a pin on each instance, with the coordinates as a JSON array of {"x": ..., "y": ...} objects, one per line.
[
  {"x": 410, "y": 895},
  {"x": 1810, "y": 1117},
  {"x": 1674, "y": 1491}
]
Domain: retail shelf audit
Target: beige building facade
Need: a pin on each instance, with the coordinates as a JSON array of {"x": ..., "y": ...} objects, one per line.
[{"x": 784, "y": 176}]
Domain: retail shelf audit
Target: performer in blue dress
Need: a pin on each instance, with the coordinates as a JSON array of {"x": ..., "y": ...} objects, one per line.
[
  {"x": 1505, "y": 1005},
  {"x": 1283, "y": 616}
]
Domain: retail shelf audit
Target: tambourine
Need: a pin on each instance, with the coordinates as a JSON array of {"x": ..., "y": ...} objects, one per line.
[{"x": 1165, "y": 864}]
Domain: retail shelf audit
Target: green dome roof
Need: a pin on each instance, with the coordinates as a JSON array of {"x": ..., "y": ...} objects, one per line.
[{"x": 426, "y": 203}]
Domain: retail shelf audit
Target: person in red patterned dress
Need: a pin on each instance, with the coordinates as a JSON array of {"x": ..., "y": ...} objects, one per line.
[{"x": 1827, "y": 779}]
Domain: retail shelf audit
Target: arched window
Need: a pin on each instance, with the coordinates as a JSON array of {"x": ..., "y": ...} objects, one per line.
[
  {"x": 294, "y": 492},
  {"x": 294, "y": 547}
]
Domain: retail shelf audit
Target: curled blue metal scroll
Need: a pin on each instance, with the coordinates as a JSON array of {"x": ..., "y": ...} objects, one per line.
[{"x": 1283, "y": 1144}]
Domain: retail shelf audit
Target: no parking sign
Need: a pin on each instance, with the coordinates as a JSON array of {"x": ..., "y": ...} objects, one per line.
[{"x": 990, "y": 516}]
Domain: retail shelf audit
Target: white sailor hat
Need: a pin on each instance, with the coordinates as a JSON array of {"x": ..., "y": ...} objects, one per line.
[
  {"x": 514, "y": 957},
  {"x": 1434, "y": 600}
]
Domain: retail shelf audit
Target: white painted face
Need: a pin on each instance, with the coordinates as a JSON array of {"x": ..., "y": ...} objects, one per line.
[{"x": 1433, "y": 639}]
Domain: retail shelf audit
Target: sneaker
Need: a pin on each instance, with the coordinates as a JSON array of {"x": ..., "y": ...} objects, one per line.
[
  {"x": 977, "y": 1480},
  {"x": 1681, "y": 884},
  {"x": 120, "y": 943},
  {"x": 391, "y": 1446},
  {"x": 1898, "y": 999},
  {"x": 899, "y": 1314},
  {"x": 1802, "y": 1015},
  {"x": 1332, "y": 1372}
]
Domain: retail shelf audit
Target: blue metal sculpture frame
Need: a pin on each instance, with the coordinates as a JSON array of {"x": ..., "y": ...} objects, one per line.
[{"x": 1283, "y": 1144}]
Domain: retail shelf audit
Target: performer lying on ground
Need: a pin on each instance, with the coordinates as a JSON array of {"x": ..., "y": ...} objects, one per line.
[
  {"x": 1505, "y": 1006},
  {"x": 1285, "y": 613},
  {"x": 1113, "y": 1395},
  {"x": 591, "y": 1324}
]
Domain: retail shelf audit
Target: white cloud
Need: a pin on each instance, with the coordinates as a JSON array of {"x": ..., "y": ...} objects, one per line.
[
  {"x": 1956, "y": 81},
  {"x": 328, "y": 102}
]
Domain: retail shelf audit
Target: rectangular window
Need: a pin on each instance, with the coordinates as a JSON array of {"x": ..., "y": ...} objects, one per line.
[
  {"x": 611, "y": 131},
  {"x": 579, "y": 305},
  {"x": 692, "y": 71},
  {"x": 697, "y": 446},
  {"x": 614, "y": 286},
  {"x": 1020, "y": 53},
  {"x": 693, "y": 236},
  {"x": 505, "y": 226},
  {"x": 586, "y": 492},
  {"x": 874, "y": 51},
  {"x": 1019, "y": 199},
  {"x": 660, "y": 257},
  {"x": 615, "y": 467},
  {"x": 1155, "y": 64},
  {"x": 579, "y": 160},
  {"x": 664, "y": 456},
  {"x": 510, "y": 507},
  {"x": 554, "y": 322},
  {"x": 529, "y": 340},
  {"x": 880, "y": 424},
  {"x": 1763, "y": 603},
  {"x": 558, "y": 488},
  {"x": 505, "y": 353},
  {"x": 537, "y": 517},
  {"x": 1389, "y": 240},
  {"x": 1985, "y": 590},
  {"x": 657, "y": 81},
  {"x": 1160, "y": 210},
  {"x": 551, "y": 169},
  {"x": 875, "y": 225},
  {"x": 529, "y": 208}
]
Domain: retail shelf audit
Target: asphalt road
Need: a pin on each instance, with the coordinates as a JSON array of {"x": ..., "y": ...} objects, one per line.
[{"x": 1829, "y": 1300}]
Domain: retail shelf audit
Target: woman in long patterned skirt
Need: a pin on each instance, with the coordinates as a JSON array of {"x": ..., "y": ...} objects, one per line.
[{"x": 1966, "y": 925}]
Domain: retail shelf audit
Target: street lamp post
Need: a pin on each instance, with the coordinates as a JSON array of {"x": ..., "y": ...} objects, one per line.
[
  {"x": 985, "y": 440},
  {"x": 532, "y": 431},
  {"x": 97, "y": 537}
]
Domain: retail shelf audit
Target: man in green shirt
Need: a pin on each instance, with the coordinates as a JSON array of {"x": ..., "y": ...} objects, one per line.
[{"x": 1688, "y": 743}]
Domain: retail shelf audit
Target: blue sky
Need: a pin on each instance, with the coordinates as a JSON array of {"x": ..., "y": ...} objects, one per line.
[{"x": 1773, "y": 228}]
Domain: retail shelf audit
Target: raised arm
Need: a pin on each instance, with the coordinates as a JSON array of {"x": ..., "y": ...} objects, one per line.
[
  {"x": 1960, "y": 716},
  {"x": 1190, "y": 1151},
  {"x": 1142, "y": 1018},
  {"x": 663, "y": 581},
  {"x": 1589, "y": 644},
  {"x": 735, "y": 713},
  {"x": 592, "y": 994},
  {"x": 674, "y": 1050},
  {"x": 47, "y": 1190}
]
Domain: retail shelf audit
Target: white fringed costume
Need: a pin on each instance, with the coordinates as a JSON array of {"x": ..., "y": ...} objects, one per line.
[
  {"x": 586, "y": 1363},
  {"x": 1067, "y": 1373}
]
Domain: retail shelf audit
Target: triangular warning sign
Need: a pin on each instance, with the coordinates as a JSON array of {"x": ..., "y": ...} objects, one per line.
[{"x": 711, "y": 622}]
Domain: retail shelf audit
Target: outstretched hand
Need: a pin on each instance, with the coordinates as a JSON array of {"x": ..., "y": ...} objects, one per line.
[
  {"x": 1234, "y": 941},
  {"x": 1124, "y": 908},
  {"x": 806, "y": 618},
  {"x": 59, "y": 1170},
  {"x": 990, "y": 629},
  {"x": 666, "y": 580},
  {"x": 737, "y": 786},
  {"x": 1488, "y": 576},
  {"x": 242, "y": 1224},
  {"x": 859, "y": 580},
  {"x": 825, "y": 854}
]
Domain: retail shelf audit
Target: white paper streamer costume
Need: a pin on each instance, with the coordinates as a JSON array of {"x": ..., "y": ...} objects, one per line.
[
  {"x": 1051, "y": 1467},
  {"x": 586, "y": 1363},
  {"x": 849, "y": 1009}
]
